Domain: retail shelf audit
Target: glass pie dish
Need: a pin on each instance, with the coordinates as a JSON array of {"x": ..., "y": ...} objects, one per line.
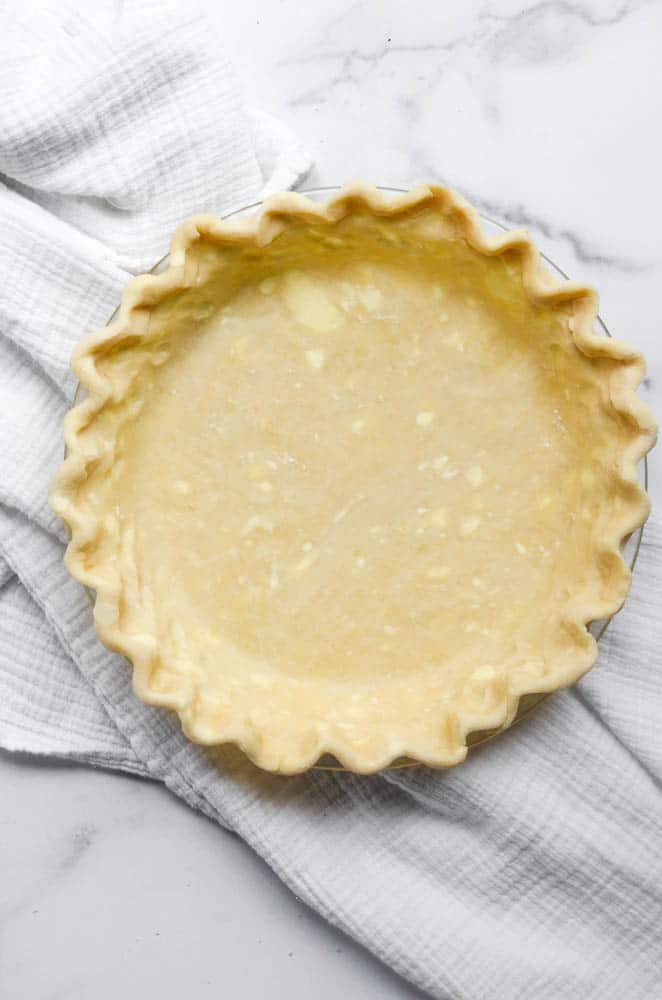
[{"x": 527, "y": 701}]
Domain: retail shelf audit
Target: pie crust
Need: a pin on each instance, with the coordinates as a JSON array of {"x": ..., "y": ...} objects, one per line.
[{"x": 352, "y": 478}]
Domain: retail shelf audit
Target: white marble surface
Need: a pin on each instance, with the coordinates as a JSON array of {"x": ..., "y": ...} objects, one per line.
[{"x": 545, "y": 114}]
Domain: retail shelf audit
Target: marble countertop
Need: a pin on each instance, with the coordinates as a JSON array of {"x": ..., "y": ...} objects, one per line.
[{"x": 545, "y": 114}]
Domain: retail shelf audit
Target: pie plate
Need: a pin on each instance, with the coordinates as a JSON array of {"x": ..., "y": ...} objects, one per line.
[{"x": 354, "y": 478}]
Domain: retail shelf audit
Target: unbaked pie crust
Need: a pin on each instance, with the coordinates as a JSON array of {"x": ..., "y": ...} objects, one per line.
[{"x": 351, "y": 478}]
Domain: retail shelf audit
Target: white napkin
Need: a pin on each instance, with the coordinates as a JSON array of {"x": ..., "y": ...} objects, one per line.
[{"x": 534, "y": 870}]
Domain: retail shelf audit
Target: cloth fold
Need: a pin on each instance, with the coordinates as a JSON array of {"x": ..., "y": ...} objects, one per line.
[{"x": 533, "y": 870}]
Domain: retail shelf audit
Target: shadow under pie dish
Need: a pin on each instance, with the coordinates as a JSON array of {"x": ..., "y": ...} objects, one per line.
[{"x": 351, "y": 478}]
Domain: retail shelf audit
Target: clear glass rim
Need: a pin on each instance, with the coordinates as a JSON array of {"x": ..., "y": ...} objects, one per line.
[{"x": 528, "y": 703}]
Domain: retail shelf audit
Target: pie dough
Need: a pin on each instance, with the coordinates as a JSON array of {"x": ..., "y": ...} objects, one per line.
[{"x": 352, "y": 478}]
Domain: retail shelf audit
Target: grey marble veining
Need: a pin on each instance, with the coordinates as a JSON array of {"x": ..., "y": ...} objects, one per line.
[
  {"x": 544, "y": 114},
  {"x": 110, "y": 887},
  {"x": 536, "y": 112}
]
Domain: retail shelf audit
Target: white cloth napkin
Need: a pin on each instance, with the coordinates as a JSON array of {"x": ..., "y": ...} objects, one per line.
[{"x": 535, "y": 869}]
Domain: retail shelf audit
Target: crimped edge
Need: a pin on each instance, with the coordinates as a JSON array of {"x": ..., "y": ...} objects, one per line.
[{"x": 261, "y": 228}]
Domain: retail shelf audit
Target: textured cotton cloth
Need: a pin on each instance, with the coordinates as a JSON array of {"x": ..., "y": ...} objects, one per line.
[{"x": 533, "y": 871}]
